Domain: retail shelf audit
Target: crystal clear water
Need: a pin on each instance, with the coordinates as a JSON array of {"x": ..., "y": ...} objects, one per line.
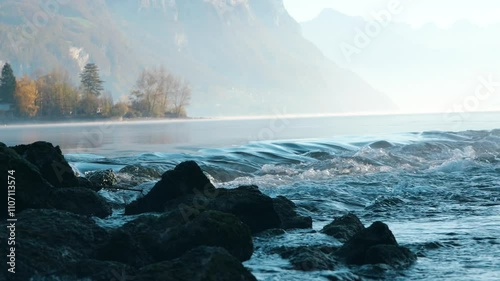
[{"x": 438, "y": 190}]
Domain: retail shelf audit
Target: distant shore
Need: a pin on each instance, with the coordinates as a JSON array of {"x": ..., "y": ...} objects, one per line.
[{"x": 45, "y": 121}]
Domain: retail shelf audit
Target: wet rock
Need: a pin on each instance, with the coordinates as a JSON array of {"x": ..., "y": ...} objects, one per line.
[
  {"x": 250, "y": 205},
  {"x": 89, "y": 269},
  {"x": 288, "y": 216},
  {"x": 102, "y": 178},
  {"x": 140, "y": 171},
  {"x": 84, "y": 182},
  {"x": 152, "y": 239},
  {"x": 186, "y": 179},
  {"x": 343, "y": 228},
  {"x": 393, "y": 255},
  {"x": 49, "y": 240},
  {"x": 80, "y": 201},
  {"x": 31, "y": 189},
  {"x": 34, "y": 192},
  {"x": 374, "y": 244},
  {"x": 200, "y": 264},
  {"x": 309, "y": 258},
  {"x": 186, "y": 187},
  {"x": 50, "y": 162}
]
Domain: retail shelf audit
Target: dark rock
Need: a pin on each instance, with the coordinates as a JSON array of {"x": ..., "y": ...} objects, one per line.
[
  {"x": 200, "y": 264},
  {"x": 288, "y": 216},
  {"x": 2, "y": 145},
  {"x": 356, "y": 249},
  {"x": 343, "y": 228},
  {"x": 393, "y": 255},
  {"x": 49, "y": 240},
  {"x": 141, "y": 171},
  {"x": 102, "y": 178},
  {"x": 152, "y": 239},
  {"x": 50, "y": 162},
  {"x": 31, "y": 189},
  {"x": 188, "y": 188},
  {"x": 80, "y": 201},
  {"x": 89, "y": 269},
  {"x": 309, "y": 258},
  {"x": 186, "y": 179},
  {"x": 84, "y": 182},
  {"x": 250, "y": 205},
  {"x": 34, "y": 192}
]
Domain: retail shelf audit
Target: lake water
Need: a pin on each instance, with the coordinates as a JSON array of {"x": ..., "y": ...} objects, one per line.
[{"x": 434, "y": 179}]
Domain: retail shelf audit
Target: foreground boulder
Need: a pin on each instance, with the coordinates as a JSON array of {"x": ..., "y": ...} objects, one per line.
[
  {"x": 49, "y": 240},
  {"x": 250, "y": 205},
  {"x": 199, "y": 264},
  {"x": 288, "y": 216},
  {"x": 344, "y": 228},
  {"x": 50, "y": 162},
  {"x": 186, "y": 179},
  {"x": 31, "y": 188},
  {"x": 79, "y": 200},
  {"x": 151, "y": 239},
  {"x": 33, "y": 191},
  {"x": 186, "y": 187},
  {"x": 375, "y": 244}
]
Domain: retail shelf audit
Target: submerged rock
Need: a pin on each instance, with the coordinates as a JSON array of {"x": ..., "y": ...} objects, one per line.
[
  {"x": 199, "y": 264},
  {"x": 139, "y": 171},
  {"x": 343, "y": 228},
  {"x": 153, "y": 239},
  {"x": 50, "y": 162},
  {"x": 102, "y": 178},
  {"x": 309, "y": 258},
  {"x": 288, "y": 216},
  {"x": 375, "y": 244}
]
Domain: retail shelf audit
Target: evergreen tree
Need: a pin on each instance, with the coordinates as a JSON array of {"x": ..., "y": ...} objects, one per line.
[
  {"x": 91, "y": 82},
  {"x": 7, "y": 84}
]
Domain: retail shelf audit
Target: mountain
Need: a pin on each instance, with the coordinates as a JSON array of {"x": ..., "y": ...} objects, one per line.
[
  {"x": 426, "y": 67},
  {"x": 242, "y": 57}
]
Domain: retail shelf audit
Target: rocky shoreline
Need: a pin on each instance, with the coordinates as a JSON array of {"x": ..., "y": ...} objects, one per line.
[{"x": 184, "y": 228}]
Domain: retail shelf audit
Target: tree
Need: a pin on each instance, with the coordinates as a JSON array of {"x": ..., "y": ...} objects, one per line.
[
  {"x": 7, "y": 84},
  {"x": 90, "y": 80},
  {"x": 119, "y": 109},
  {"x": 26, "y": 96},
  {"x": 180, "y": 98},
  {"x": 157, "y": 92},
  {"x": 57, "y": 96}
]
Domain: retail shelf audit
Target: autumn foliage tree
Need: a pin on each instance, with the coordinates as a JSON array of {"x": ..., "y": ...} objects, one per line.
[{"x": 26, "y": 97}]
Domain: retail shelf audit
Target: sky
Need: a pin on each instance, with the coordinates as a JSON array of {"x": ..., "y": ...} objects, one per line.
[{"x": 417, "y": 12}]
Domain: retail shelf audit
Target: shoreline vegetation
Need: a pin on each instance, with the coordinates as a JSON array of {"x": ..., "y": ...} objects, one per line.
[{"x": 53, "y": 96}]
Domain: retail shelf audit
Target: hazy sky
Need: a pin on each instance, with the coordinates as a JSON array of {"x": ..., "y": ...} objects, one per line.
[{"x": 416, "y": 12}]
